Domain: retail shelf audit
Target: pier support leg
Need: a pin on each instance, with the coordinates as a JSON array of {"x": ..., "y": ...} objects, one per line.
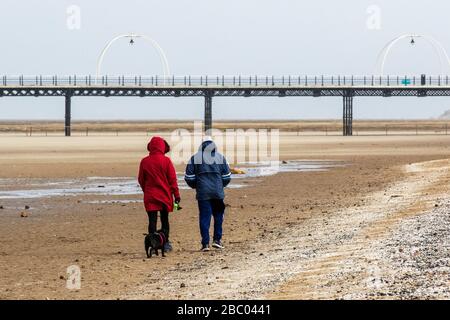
[
  {"x": 347, "y": 115},
  {"x": 208, "y": 113},
  {"x": 68, "y": 115}
]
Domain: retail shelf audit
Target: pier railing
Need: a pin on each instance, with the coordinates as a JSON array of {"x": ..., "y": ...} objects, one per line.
[{"x": 223, "y": 81}]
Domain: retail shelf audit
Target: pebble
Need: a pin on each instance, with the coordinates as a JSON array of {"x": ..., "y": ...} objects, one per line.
[{"x": 418, "y": 261}]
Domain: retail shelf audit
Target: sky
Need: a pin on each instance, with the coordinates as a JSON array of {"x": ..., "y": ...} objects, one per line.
[{"x": 215, "y": 37}]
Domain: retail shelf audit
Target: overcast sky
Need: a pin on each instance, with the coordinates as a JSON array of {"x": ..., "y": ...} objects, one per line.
[{"x": 229, "y": 37}]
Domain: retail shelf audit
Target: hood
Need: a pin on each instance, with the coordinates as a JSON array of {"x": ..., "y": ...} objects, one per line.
[
  {"x": 158, "y": 145},
  {"x": 166, "y": 147},
  {"x": 209, "y": 145},
  {"x": 207, "y": 153}
]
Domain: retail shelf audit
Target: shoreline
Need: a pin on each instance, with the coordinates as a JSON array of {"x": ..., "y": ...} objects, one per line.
[{"x": 299, "y": 126}]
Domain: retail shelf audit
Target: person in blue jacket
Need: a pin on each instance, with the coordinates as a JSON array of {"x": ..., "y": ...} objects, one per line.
[{"x": 208, "y": 172}]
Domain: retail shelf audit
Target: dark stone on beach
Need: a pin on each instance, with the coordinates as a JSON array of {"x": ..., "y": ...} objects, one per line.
[
  {"x": 1, "y": 207},
  {"x": 61, "y": 277},
  {"x": 100, "y": 186},
  {"x": 182, "y": 285},
  {"x": 27, "y": 207},
  {"x": 284, "y": 162}
]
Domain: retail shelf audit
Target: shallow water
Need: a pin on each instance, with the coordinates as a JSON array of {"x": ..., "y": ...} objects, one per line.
[
  {"x": 254, "y": 170},
  {"x": 22, "y": 188}
]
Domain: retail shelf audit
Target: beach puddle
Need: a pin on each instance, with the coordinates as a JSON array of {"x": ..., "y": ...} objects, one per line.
[
  {"x": 255, "y": 170},
  {"x": 22, "y": 188},
  {"x": 121, "y": 201}
]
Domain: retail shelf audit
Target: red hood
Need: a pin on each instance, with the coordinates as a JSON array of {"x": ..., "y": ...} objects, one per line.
[{"x": 158, "y": 145}]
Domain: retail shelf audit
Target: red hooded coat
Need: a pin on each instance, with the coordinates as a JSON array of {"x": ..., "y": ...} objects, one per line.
[{"x": 157, "y": 177}]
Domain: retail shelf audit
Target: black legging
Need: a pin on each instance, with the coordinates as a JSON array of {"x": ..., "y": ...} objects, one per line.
[{"x": 152, "y": 221}]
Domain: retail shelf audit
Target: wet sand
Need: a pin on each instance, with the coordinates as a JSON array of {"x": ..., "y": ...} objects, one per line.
[{"x": 291, "y": 235}]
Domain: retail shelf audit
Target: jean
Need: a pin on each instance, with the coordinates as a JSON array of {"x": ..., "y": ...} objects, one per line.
[{"x": 208, "y": 208}]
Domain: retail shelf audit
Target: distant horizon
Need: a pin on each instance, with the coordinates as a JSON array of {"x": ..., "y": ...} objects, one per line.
[{"x": 3, "y": 121}]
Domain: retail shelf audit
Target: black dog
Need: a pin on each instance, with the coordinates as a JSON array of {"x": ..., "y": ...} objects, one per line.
[{"x": 155, "y": 242}]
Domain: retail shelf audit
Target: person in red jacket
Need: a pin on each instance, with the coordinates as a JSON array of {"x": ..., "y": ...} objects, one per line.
[{"x": 158, "y": 180}]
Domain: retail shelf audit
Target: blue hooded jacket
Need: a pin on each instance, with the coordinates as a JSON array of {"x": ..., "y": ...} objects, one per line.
[{"x": 208, "y": 172}]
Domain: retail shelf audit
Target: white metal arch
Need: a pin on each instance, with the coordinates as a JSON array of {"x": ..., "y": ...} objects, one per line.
[
  {"x": 436, "y": 45},
  {"x": 162, "y": 55}
]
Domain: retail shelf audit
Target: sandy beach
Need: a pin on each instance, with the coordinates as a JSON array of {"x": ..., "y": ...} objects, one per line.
[{"x": 376, "y": 227}]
